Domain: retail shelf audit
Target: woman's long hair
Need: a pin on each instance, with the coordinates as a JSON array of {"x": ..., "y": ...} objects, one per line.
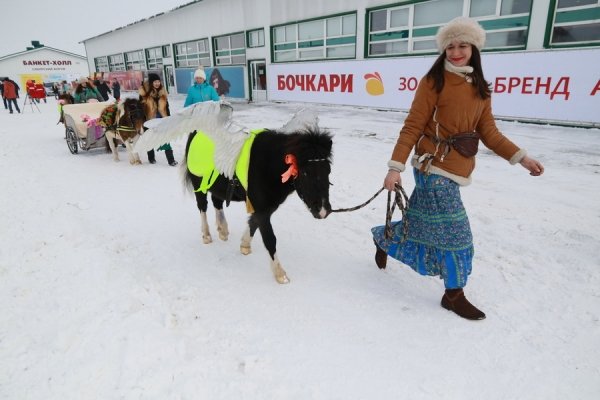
[
  {"x": 481, "y": 85},
  {"x": 222, "y": 84}
]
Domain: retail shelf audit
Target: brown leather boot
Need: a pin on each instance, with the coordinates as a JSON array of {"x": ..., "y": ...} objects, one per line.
[
  {"x": 455, "y": 300},
  {"x": 380, "y": 257}
]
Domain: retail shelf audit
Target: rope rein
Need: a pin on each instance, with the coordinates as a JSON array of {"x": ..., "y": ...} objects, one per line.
[
  {"x": 361, "y": 205},
  {"x": 400, "y": 201}
]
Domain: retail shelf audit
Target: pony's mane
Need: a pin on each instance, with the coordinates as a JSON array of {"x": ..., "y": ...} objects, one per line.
[{"x": 311, "y": 144}]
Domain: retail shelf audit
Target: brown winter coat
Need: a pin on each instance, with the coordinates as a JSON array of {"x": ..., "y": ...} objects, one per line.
[
  {"x": 459, "y": 110},
  {"x": 153, "y": 100}
]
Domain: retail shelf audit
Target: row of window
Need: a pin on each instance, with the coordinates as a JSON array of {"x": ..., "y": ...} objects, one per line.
[
  {"x": 393, "y": 30},
  {"x": 229, "y": 49},
  {"x": 133, "y": 60}
]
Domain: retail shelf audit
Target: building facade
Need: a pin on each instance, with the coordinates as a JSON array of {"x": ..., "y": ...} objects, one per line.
[
  {"x": 43, "y": 64},
  {"x": 338, "y": 51}
]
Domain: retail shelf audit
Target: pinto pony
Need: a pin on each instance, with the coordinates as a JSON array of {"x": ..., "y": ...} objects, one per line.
[
  {"x": 261, "y": 167},
  {"x": 280, "y": 164},
  {"x": 125, "y": 122}
]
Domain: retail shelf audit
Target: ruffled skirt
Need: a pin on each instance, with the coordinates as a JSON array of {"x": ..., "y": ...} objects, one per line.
[{"x": 439, "y": 240}]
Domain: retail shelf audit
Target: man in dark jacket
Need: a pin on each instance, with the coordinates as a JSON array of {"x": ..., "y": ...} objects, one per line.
[
  {"x": 116, "y": 88},
  {"x": 11, "y": 93},
  {"x": 102, "y": 88}
]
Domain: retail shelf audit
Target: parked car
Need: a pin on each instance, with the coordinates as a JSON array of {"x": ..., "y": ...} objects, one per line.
[{"x": 48, "y": 87}]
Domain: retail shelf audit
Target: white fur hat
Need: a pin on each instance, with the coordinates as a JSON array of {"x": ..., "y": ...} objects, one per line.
[
  {"x": 83, "y": 79},
  {"x": 464, "y": 30},
  {"x": 200, "y": 74}
]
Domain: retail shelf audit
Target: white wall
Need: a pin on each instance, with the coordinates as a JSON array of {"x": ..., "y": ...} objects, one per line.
[{"x": 49, "y": 63}]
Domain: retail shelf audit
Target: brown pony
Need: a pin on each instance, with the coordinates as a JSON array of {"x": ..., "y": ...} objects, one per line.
[{"x": 123, "y": 121}]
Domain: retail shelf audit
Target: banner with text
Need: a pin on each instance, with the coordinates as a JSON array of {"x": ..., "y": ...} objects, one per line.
[{"x": 547, "y": 85}]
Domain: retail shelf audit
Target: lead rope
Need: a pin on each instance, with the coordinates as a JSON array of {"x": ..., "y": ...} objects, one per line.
[{"x": 400, "y": 200}]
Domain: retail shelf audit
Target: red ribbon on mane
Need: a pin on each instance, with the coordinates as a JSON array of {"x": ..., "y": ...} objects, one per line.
[{"x": 292, "y": 171}]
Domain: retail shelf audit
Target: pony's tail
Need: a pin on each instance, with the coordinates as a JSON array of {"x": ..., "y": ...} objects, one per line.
[{"x": 186, "y": 176}]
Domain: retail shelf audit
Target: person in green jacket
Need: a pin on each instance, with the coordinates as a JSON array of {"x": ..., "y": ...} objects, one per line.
[{"x": 85, "y": 92}]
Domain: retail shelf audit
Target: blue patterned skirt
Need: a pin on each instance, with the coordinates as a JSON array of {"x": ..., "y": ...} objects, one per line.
[{"x": 439, "y": 240}]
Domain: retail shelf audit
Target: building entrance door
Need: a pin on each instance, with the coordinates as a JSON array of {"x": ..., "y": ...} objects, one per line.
[
  {"x": 170, "y": 79},
  {"x": 258, "y": 80}
]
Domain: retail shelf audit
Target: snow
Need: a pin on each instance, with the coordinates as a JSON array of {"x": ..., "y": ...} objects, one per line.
[{"x": 107, "y": 291}]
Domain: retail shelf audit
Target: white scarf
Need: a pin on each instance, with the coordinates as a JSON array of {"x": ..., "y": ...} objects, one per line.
[{"x": 460, "y": 71}]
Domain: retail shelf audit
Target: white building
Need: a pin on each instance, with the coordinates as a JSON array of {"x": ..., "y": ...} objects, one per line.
[
  {"x": 541, "y": 56},
  {"x": 43, "y": 64}
]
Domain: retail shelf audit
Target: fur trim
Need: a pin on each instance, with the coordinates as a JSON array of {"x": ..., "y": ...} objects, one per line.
[
  {"x": 464, "y": 30},
  {"x": 396, "y": 166},
  {"x": 461, "y": 180},
  {"x": 518, "y": 156}
]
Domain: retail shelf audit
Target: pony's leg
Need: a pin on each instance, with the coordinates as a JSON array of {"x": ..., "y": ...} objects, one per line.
[
  {"x": 110, "y": 138},
  {"x": 131, "y": 154},
  {"x": 206, "y": 238},
  {"x": 222, "y": 226},
  {"x": 270, "y": 242},
  {"x": 246, "y": 245},
  {"x": 202, "y": 203},
  {"x": 136, "y": 156},
  {"x": 278, "y": 271}
]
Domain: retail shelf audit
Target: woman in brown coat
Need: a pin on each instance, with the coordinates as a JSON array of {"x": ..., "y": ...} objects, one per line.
[
  {"x": 452, "y": 100},
  {"x": 156, "y": 105}
]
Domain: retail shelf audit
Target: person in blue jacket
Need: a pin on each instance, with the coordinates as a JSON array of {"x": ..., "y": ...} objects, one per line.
[{"x": 200, "y": 91}]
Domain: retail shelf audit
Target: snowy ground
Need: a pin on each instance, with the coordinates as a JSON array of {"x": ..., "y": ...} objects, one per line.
[{"x": 107, "y": 291}]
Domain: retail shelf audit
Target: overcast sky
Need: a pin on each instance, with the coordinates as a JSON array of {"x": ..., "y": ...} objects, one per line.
[{"x": 62, "y": 24}]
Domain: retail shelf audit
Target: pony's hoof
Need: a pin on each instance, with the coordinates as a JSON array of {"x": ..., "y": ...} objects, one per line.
[
  {"x": 245, "y": 250},
  {"x": 116, "y": 160},
  {"x": 207, "y": 239},
  {"x": 138, "y": 162},
  {"x": 282, "y": 279},
  {"x": 223, "y": 234}
]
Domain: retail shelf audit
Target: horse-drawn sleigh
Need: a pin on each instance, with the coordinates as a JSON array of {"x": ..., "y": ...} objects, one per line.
[{"x": 79, "y": 133}]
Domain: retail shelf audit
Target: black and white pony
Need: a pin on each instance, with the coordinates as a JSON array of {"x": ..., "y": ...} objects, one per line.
[{"x": 296, "y": 157}]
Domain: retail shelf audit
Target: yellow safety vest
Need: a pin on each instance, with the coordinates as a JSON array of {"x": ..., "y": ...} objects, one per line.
[{"x": 201, "y": 160}]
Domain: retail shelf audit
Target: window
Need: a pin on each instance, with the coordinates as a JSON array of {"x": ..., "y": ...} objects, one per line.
[
  {"x": 411, "y": 28},
  {"x": 155, "y": 57},
  {"x": 192, "y": 54},
  {"x": 116, "y": 62},
  {"x": 575, "y": 22},
  {"x": 327, "y": 38},
  {"x": 230, "y": 49},
  {"x": 134, "y": 60},
  {"x": 166, "y": 51},
  {"x": 256, "y": 38},
  {"x": 101, "y": 64}
]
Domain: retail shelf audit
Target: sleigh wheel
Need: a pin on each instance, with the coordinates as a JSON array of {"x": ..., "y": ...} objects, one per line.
[{"x": 71, "y": 140}]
